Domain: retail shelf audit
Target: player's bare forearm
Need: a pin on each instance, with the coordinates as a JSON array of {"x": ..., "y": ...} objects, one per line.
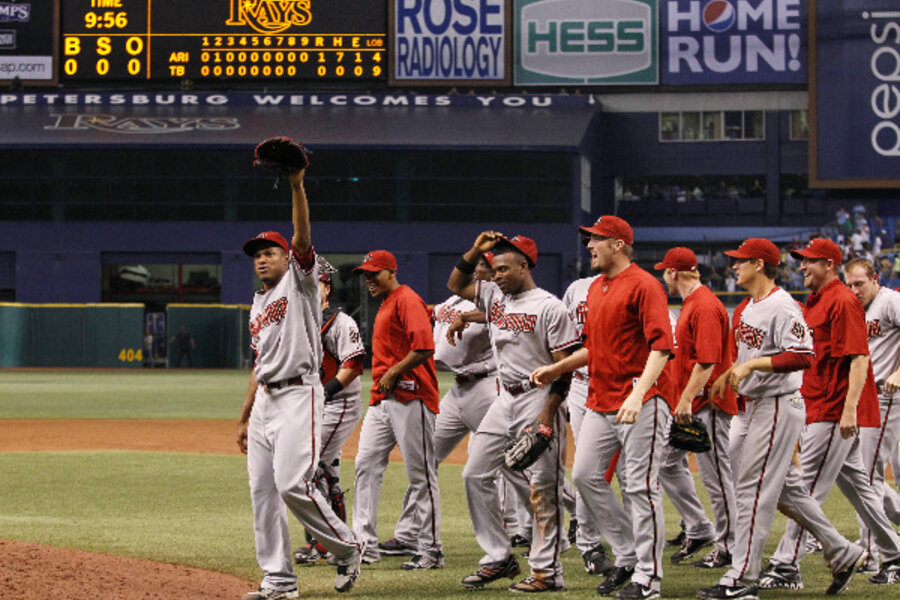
[
  {"x": 473, "y": 316},
  {"x": 463, "y": 284},
  {"x": 656, "y": 362},
  {"x": 550, "y": 373},
  {"x": 856, "y": 379},
  {"x": 302, "y": 239},
  {"x": 558, "y": 390},
  {"x": 409, "y": 362},
  {"x": 700, "y": 375},
  {"x": 348, "y": 372}
]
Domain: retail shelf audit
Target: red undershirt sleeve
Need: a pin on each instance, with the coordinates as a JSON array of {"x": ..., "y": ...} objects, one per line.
[{"x": 789, "y": 361}]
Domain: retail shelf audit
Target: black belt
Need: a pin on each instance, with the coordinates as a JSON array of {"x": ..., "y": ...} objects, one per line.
[
  {"x": 277, "y": 385},
  {"x": 516, "y": 389},
  {"x": 470, "y": 378}
]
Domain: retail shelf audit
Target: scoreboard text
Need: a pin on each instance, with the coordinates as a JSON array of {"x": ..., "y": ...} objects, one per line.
[{"x": 223, "y": 39}]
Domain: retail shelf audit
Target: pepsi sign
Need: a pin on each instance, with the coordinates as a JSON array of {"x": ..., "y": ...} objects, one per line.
[
  {"x": 854, "y": 94},
  {"x": 733, "y": 41},
  {"x": 586, "y": 42}
]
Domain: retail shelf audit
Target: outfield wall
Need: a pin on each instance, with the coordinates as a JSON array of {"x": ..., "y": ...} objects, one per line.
[{"x": 71, "y": 335}]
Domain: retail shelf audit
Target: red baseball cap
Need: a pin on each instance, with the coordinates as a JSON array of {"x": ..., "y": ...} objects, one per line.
[
  {"x": 377, "y": 260},
  {"x": 489, "y": 258},
  {"x": 760, "y": 248},
  {"x": 525, "y": 245},
  {"x": 264, "y": 239},
  {"x": 820, "y": 248},
  {"x": 611, "y": 226},
  {"x": 678, "y": 258}
]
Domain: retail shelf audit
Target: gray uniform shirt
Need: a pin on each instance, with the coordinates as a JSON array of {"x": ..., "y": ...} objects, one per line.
[
  {"x": 285, "y": 325},
  {"x": 883, "y": 327},
  {"x": 575, "y": 300},
  {"x": 768, "y": 327},
  {"x": 343, "y": 342},
  {"x": 472, "y": 355},
  {"x": 525, "y": 328}
]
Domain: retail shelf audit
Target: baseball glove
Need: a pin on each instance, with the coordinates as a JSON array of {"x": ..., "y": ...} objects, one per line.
[
  {"x": 282, "y": 155},
  {"x": 522, "y": 453},
  {"x": 692, "y": 438}
]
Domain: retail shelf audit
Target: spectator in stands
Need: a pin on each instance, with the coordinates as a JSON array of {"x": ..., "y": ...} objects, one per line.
[
  {"x": 867, "y": 253},
  {"x": 880, "y": 233},
  {"x": 698, "y": 193},
  {"x": 897, "y": 266},
  {"x": 842, "y": 218},
  {"x": 857, "y": 240},
  {"x": 897, "y": 234},
  {"x": 757, "y": 189},
  {"x": 885, "y": 269},
  {"x": 185, "y": 343}
]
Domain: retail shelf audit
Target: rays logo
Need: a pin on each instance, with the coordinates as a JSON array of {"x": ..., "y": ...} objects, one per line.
[
  {"x": 718, "y": 15},
  {"x": 270, "y": 16}
]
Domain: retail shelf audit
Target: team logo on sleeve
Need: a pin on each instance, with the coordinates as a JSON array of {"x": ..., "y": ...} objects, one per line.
[
  {"x": 515, "y": 322},
  {"x": 581, "y": 312},
  {"x": 798, "y": 330},
  {"x": 873, "y": 328},
  {"x": 273, "y": 313},
  {"x": 354, "y": 335},
  {"x": 750, "y": 336}
]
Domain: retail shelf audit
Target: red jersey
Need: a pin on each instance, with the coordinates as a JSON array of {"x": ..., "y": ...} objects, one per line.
[
  {"x": 628, "y": 316},
  {"x": 403, "y": 324},
  {"x": 838, "y": 324},
  {"x": 702, "y": 335}
]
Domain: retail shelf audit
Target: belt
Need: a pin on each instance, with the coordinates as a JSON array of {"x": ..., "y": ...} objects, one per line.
[
  {"x": 774, "y": 397},
  {"x": 518, "y": 388},
  {"x": 470, "y": 378},
  {"x": 277, "y": 385}
]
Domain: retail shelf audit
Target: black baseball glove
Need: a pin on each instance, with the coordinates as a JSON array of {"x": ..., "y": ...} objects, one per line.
[
  {"x": 693, "y": 437},
  {"x": 282, "y": 155},
  {"x": 533, "y": 442}
]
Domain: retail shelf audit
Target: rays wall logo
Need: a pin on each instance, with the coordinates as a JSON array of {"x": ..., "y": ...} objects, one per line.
[
  {"x": 586, "y": 42},
  {"x": 12, "y": 11},
  {"x": 270, "y": 16},
  {"x": 139, "y": 125}
]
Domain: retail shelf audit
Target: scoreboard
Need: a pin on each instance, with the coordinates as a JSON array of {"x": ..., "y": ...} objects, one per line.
[{"x": 250, "y": 40}]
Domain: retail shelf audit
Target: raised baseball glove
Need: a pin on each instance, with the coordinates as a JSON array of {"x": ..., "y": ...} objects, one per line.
[
  {"x": 282, "y": 155},
  {"x": 693, "y": 437},
  {"x": 533, "y": 442}
]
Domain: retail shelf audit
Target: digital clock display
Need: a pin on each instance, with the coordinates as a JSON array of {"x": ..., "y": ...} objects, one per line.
[{"x": 224, "y": 39}]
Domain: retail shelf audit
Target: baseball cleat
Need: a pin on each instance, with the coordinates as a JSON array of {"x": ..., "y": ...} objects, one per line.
[
  {"x": 573, "y": 530},
  {"x": 308, "y": 555},
  {"x": 637, "y": 591},
  {"x": 272, "y": 594},
  {"x": 394, "y": 547},
  {"x": 678, "y": 540},
  {"x": 870, "y": 566},
  {"x": 519, "y": 541},
  {"x": 615, "y": 580},
  {"x": 775, "y": 576},
  {"x": 533, "y": 585},
  {"x": 841, "y": 579},
  {"x": 349, "y": 573},
  {"x": 371, "y": 555},
  {"x": 597, "y": 562},
  {"x": 492, "y": 572},
  {"x": 689, "y": 548},
  {"x": 424, "y": 562},
  {"x": 745, "y": 592},
  {"x": 889, "y": 573},
  {"x": 716, "y": 559},
  {"x": 812, "y": 545}
]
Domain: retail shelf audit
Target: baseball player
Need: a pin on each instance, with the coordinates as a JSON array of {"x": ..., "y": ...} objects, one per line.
[
  {"x": 466, "y": 352},
  {"x": 883, "y": 328},
  {"x": 702, "y": 353},
  {"x": 587, "y": 535},
  {"x": 529, "y": 327},
  {"x": 841, "y": 398},
  {"x": 280, "y": 424},
  {"x": 342, "y": 365},
  {"x": 402, "y": 410},
  {"x": 772, "y": 345},
  {"x": 628, "y": 340}
]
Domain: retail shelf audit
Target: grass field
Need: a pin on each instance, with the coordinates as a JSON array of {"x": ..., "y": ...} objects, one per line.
[{"x": 194, "y": 509}]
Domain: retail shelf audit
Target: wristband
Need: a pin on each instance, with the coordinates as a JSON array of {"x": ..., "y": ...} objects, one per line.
[
  {"x": 561, "y": 386},
  {"x": 464, "y": 266},
  {"x": 333, "y": 386}
]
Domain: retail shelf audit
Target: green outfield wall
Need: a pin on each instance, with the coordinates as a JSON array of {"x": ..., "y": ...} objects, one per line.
[
  {"x": 71, "y": 335},
  {"x": 220, "y": 334}
]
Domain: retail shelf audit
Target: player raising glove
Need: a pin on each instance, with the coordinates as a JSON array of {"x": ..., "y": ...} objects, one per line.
[
  {"x": 282, "y": 155},
  {"x": 533, "y": 442}
]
